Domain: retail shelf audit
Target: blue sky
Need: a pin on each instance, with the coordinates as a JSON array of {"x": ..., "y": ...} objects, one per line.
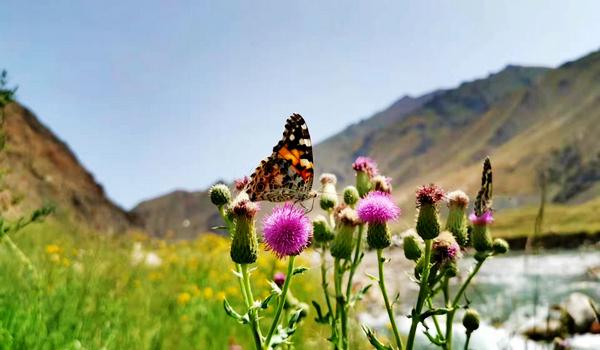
[{"x": 157, "y": 95}]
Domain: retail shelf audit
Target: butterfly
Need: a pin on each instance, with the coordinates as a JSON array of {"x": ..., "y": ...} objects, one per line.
[
  {"x": 483, "y": 202},
  {"x": 287, "y": 174}
]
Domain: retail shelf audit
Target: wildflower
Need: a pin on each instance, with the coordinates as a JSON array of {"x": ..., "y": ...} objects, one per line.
[
  {"x": 287, "y": 230},
  {"x": 53, "y": 249},
  {"x": 481, "y": 237},
  {"x": 428, "y": 222},
  {"x": 240, "y": 184},
  {"x": 445, "y": 249},
  {"x": 322, "y": 233},
  {"x": 244, "y": 245},
  {"x": 329, "y": 195},
  {"x": 382, "y": 183},
  {"x": 351, "y": 196},
  {"x": 208, "y": 293},
  {"x": 219, "y": 195},
  {"x": 413, "y": 248},
  {"x": 279, "y": 278},
  {"x": 183, "y": 298},
  {"x": 366, "y": 169},
  {"x": 457, "y": 203},
  {"x": 342, "y": 244},
  {"x": 377, "y": 208}
]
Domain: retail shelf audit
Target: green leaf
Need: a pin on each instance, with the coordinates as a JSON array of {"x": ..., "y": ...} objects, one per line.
[
  {"x": 360, "y": 294},
  {"x": 323, "y": 319},
  {"x": 434, "y": 312},
  {"x": 243, "y": 319},
  {"x": 265, "y": 303},
  {"x": 377, "y": 344},
  {"x": 299, "y": 270},
  {"x": 372, "y": 277}
]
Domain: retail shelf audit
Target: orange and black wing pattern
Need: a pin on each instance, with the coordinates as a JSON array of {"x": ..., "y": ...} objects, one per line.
[{"x": 287, "y": 174}]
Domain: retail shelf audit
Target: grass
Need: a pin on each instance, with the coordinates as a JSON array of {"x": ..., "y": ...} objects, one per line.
[
  {"x": 90, "y": 296},
  {"x": 562, "y": 219}
]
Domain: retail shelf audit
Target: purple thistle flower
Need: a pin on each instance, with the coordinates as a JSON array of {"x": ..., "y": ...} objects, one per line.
[
  {"x": 365, "y": 164},
  {"x": 445, "y": 248},
  {"x": 377, "y": 207},
  {"x": 485, "y": 218},
  {"x": 279, "y": 278},
  {"x": 430, "y": 194},
  {"x": 287, "y": 230}
]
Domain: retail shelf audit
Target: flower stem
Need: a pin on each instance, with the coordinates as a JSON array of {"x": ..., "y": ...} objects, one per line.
[
  {"x": 455, "y": 301},
  {"x": 286, "y": 285},
  {"x": 22, "y": 257},
  {"x": 324, "y": 285},
  {"x": 388, "y": 306},
  {"x": 423, "y": 292},
  {"x": 468, "y": 339},
  {"x": 249, "y": 301},
  {"x": 357, "y": 250}
]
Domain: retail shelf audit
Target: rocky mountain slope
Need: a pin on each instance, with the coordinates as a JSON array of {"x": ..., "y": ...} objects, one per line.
[
  {"x": 38, "y": 168},
  {"x": 525, "y": 118}
]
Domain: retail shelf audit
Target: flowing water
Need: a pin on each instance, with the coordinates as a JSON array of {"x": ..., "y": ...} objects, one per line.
[{"x": 512, "y": 293}]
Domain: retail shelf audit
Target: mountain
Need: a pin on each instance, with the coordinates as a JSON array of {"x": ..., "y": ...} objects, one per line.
[
  {"x": 38, "y": 168},
  {"x": 525, "y": 118}
]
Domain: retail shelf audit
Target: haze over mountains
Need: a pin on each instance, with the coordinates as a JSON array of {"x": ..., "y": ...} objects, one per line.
[{"x": 525, "y": 118}]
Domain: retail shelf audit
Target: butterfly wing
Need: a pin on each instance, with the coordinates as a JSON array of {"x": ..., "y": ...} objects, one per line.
[
  {"x": 287, "y": 174},
  {"x": 483, "y": 202}
]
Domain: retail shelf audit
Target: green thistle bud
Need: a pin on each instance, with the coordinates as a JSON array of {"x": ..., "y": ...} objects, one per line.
[
  {"x": 351, "y": 196},
  {"x": 378, "y": 235},
  {"x": 500, "y": 246},
  {"x": 457, "y": 223},
  {"x": 428, "y": 221},
  {"x": 322, "y": 233},
  {"x": 363, "y": 183},
  {"x": 219, "y": 195},
  {"x": 413, "y": 249},
  {"x": 244, "y": 245},
  {"x": 471, "y": 320},
  {"x": 482, "y": 239},
  {"x": 329, "y": 195},
  {"x": 451, "y": 269},
  {"x": 343, "y": 243}
]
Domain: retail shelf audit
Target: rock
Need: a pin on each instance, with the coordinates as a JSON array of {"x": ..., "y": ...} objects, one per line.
[{"x": 579, "y": 313}]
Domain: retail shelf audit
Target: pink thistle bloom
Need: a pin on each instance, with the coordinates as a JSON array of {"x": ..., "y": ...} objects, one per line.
[
  {"x": 365, "y": 164},
  {"x": 279, "y": 278},
  {"x": 240, "y": 184},
  {"x": 445, "y": 248},
  {"x": 485, "y": 218},
  {"x": 287, "y": 231},
  {"x": 377, "y": 207},
  {"x": 430, "y": 194}
]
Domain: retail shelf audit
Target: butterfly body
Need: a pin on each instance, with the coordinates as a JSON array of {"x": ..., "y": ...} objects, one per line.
[{"x": 287, "y": 174}]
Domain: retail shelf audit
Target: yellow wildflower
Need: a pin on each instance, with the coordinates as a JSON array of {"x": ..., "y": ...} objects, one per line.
[
  {"x": 53, "y": 249},
  {"x": 184, "y": 298},
  {"x": 208, "y": 293}
]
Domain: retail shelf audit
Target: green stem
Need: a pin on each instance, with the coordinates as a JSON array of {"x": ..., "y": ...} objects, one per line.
[
  {"x": 249, "y": 301},
  {"x": 340, "y": 308},
  {"x": 438, "y": 329},
  {"x": 357, "y": 250},
  {"x": 324, "y": 286},
  {"x": 286, "y": 285},
  {"x": 388, "y": 306},
  {"x": 455, "y": 301},
  {"x": 423, "y": 291},
  {"x": 22, "y": 257},
  {"x": 468, "y": 339}
]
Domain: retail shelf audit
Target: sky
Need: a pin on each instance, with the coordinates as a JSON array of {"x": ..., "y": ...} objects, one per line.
[{"x": 157, "y": 95}]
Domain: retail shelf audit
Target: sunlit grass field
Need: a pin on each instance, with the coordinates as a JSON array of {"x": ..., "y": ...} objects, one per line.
[{"x": 89, "y": 295}]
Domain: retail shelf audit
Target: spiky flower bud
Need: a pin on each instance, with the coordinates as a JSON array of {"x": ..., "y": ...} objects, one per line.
[
  {"x": 351, "y": 196},
  {"x": 445, "y": 249},
  {"x": 366, "y": 169},
  {"x": 500, "y": 246},
  {"x": 471, "y": 320},
  {"x": 457, "y": 224},
  {"x": 377, "y": 208},
  {"x": 328, "y": 193},
  {"x": 244, "y": 245},
  {"x": 279, "y": 278},
  {"x": 382, "y": 184},
  {"x": 379, "y": 236},
  {"x": 451, "y": 269},
  {"x": 219, "y": 195},
  {"x": 322, "y": 233},
  {"x": 428, "y": 220},
  {"x": 480, "y": 234},
  {"x": 413, "y": 248},
  {"x": 343, "y": 243}
]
